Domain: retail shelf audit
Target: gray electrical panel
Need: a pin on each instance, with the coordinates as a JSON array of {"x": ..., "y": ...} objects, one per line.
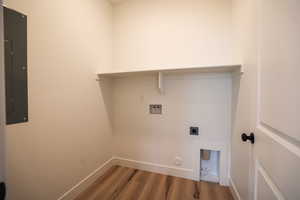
[{"x": 15, "y": 37}]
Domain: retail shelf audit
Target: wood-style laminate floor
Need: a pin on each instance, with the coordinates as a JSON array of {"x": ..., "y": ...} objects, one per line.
[{"x": 122, "y": 183}]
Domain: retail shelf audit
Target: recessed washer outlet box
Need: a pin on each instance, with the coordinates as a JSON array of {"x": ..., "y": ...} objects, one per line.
[{"x": 155, "y": 109}]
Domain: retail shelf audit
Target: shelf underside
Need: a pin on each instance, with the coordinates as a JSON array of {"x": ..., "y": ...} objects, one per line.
[{"x": 204, "y": 69}]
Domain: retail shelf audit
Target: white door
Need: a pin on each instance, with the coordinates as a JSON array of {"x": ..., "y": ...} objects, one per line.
[{"x": 267, "y": 100}]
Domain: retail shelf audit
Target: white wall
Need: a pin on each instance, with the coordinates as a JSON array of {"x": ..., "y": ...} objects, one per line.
[
  {"x": 2, "y": 98},
  {"x": 172, "y": 33},
  {"x": 244, "y": 95},
  {"x": 68, "y": 134},
  {"x": 202, "y": 100}
]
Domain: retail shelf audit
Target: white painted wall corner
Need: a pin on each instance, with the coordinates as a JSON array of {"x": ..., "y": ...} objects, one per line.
[
  {"x": 87, "y": 181},
  {"x": 147, "y": 166},
  {"x": 141, "y": 165}
]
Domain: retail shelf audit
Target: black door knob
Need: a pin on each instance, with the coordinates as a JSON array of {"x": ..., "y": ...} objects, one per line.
[{"x": 250, "y": 137}]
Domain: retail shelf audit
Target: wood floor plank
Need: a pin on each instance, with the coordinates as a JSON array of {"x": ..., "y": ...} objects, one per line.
[
  {"x": 206, "y": 192},
  {"x": 159, "y": 190},
  {"x": 88, "y": 194},
  {"x": 184, "y": 189},
  {"x": 223, "y": 193},
  {"x": 175, "y": 190},
  {"x": 100, "y": 189},
  {"x": 121, "y": 183},
  {"x": 112, "y": 189},
  {"x": 190, "y": 190},
  {"x": 149, "y": 189},
  {"x": 134, "y": 188}
]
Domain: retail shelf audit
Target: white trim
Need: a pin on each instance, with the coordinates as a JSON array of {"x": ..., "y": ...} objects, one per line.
[
  {"x": 210, "y": 178},
  {"x": 157, "y": 168},
  {"x": 258, "y": 65},
  {"x": 160, "y": 82},
  {"x": 2, "y": 99},
  {"x": 141, "y": 165},
  {"x": 285, "y": 143},
  {"x": 242, "y": 70},
  {"x": 236, "y": 195},
  {"x": 204, "y": 68},
  {"x": 267, "y": 178},
  {"x": 87, "y": 181}
]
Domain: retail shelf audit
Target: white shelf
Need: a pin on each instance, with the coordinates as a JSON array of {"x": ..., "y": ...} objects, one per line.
[
  {"x": 220, "y": 68},
  {"x": 161, "y": 72}
]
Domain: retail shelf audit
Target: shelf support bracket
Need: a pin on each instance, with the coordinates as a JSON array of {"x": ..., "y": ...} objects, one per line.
[
  {"x": 160, "y": 82},
  {"x": 242, "y": 70}
]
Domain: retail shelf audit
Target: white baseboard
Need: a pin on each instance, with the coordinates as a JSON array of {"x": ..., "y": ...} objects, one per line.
[
  {"x": 157, "y": 168},
  {"x": 141, "y": 165},
  {"x": 234, "y": 191},
  {"x": 87, "y": 181},
  {"x": 147, "y": 166},
  {"x": 210, "y": 178}
]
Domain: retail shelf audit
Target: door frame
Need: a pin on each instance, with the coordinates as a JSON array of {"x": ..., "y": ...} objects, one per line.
[{"x": 2, "y": 97}]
